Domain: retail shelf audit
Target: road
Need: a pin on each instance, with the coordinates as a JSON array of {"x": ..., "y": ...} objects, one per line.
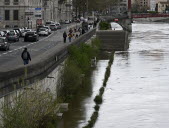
[{"x": 11, "y": 59}]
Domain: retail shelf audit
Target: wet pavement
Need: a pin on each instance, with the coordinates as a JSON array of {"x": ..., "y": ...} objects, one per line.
[{"x": 137, "y": 93}]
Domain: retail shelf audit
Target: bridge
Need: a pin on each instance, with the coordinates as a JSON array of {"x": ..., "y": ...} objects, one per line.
[
  {"x": 123, "y": 20},
  {"x": 148, "y": 15}
]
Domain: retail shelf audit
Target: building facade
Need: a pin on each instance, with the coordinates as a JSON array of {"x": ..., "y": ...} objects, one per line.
[
  {"x": 19, "y": 13},
  {"x": 163, "y": 7},
  {"x": 140, "y": 5},
  {"x": 65, "y": 10},
  {"x": 26, "y": 13}
]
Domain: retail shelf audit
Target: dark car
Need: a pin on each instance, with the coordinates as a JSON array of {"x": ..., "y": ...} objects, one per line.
[
  {"x": 12, "y": 36},
  {"x": 53, "y": 27},
  {"x": 31, "y": 36},
  {"x": 4, "y": 43}
]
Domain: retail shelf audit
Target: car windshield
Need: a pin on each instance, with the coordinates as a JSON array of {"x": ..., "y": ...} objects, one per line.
[
  {"x": 11, "y": 33},
  {"x": 1, "y": 40},
  {"x": 27, "y": 30},
  {"x": 30, "y": 33},
  {"x": 46, "y": 27},
  {"x": 43, "y": 29},
  {"x": 52, "y": 25},
  {"x": 48, "y": 22}
]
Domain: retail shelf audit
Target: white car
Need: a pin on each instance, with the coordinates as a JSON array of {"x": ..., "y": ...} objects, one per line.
[
  {"x": 2, "y": 34},
  {"x": 49, "y": 30},
  {"x": 58, "y": 25},
  {"x": 43, "y": 32},
  {"x": 25, "y": 31},
  {"x": 67, "y": 22}
]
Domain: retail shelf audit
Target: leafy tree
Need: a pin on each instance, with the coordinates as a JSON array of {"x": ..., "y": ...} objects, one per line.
[{"x": 81, "y": 6}]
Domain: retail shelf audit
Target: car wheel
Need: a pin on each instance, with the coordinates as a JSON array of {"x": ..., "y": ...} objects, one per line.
[{"x": 6, "y": 48}]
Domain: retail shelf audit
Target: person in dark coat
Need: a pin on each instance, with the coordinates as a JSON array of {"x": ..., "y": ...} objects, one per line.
[
  {"x": 64, "y": 37},
  {"x": 83, "y": 31},
  {"x": 25, "y": 56}
]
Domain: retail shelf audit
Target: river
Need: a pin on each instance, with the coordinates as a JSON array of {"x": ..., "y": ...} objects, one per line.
[{"x": 137, "y": 93}]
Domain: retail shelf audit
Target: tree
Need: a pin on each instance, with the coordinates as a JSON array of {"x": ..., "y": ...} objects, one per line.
[{"x": 81, "y": 6}]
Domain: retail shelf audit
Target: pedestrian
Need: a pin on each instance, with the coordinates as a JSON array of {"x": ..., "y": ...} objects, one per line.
[
  {"x": 80, "y": 31},
  {"x": 64, "y": 36},
  {"x": 25, "y": 56},
  {"x": 70, "y": 30},
  {"x": 83, "y": 31},
  {"x": 76, "y": 36},
  {"x": 70, "y": 36}
]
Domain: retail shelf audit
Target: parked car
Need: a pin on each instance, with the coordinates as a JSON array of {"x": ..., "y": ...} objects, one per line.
[
  {"x": 2, "y": 34},
  {"x": 58, "y": 25},
  {"x": 19, "y": 31},
  {"x": 67, "y": 22},
  {"x": 39, "y": 26},
  {"x": 16, "y": 31},
  {"x": 43, "y": 32},
  {"x": 53, "y": 27},
  {"x": 49, "y": 30},
  {"x": 25, "y": 31},
  {"x": 12, "y": 36},
  {"x": 4, "y": 43},
  {"x": 6, "y": 31},
  {"x": 31, "y": 36},
  {"x": 48, "y": 23}
]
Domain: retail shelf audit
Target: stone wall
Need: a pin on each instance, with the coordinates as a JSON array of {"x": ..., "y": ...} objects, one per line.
[{"x": 113, "y": 40}]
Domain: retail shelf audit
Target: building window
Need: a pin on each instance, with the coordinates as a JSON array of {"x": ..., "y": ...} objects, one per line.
[
  {"x": 7, "y": 2},
  {"x": 15, "y": 2},
  {"x": 15, "y": 15},
  {"x": 7, "y": 15}
]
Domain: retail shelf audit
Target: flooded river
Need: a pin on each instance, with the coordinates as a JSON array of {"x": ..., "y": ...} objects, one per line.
[{"x": 137, "y": 93}]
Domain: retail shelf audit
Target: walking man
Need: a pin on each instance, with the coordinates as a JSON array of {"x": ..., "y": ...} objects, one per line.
[
  {"x": 25, "y": 56},
  {"x": 64, "y": 37}
]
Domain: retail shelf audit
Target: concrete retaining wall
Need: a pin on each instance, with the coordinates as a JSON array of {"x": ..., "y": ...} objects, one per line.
[
  {"x": 39, "y": 71},
  {"x": 113, "y": 40}
]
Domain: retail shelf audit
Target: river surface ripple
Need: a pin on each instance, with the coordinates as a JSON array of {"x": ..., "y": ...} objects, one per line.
[{"x": 137, "y": 93}]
